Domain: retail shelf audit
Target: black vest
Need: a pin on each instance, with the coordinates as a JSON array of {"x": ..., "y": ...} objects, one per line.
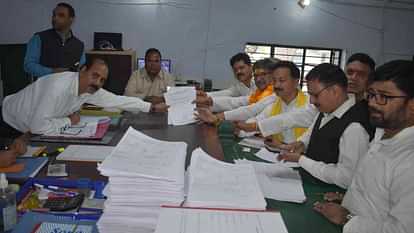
[
  {"x": 324, "y": 142},
  {"x": 58, "y": 54}
]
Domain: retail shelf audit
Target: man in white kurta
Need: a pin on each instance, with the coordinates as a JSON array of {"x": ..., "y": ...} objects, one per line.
[
  {"x": 380, "y": 198},
  {"x": 51, "y": 103}
]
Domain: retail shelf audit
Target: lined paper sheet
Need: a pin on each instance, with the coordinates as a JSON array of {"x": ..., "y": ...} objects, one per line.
[
  {"x": 85, "y": 153},
  {"x": 183, "y": 220}
]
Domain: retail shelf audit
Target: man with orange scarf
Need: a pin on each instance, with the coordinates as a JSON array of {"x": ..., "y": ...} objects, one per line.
[
  {"x": 263, "y": 89},
  {"x": 285, "y": 77}
]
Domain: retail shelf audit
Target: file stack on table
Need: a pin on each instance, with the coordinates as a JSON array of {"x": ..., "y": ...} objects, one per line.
[
  {"x": 144, "y": 173},
  {"x": 217, "y": 184}
]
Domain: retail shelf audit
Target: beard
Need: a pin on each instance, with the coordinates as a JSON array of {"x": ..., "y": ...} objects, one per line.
[{"x": 394, "y": 120}]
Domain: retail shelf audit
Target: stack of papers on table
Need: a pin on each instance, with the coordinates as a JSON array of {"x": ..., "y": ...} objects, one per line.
[
  {"x": 144, "y": 173},
  {"x": 184, "y": 220},
  {"x": 278, "y": 182},
  {"x": 216, "y": 184},
  {"x": 180, "y": 100}
]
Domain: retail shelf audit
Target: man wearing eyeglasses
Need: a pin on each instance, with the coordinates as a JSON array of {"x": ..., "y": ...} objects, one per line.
[
  {"x": 358, "y": 68},
  {"x": 381, "y": 196},
  {"x": 339, "y": 135}
]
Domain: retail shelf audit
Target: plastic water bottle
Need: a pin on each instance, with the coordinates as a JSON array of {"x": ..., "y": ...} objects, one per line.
[{"x": 8, "y": 215}]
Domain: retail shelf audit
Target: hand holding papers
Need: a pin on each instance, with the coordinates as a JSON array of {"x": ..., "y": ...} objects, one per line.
[
  {"x": 144, "y": 173},
  {"x": 181, "y": 111},
  {"x": 273, "y": 158},
  {"x": 213, "y": 183}
]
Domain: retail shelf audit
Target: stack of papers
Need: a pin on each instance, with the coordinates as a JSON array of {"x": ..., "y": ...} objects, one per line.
[
  {"x": 144, "y": 173},
  {"x": 278, "y": 182},
  {"x": 183, "y": 220},
  {"x": 180, "y": 100},
  {"x": 85, "y": 153},
  {"x": 216, "y": 184}
]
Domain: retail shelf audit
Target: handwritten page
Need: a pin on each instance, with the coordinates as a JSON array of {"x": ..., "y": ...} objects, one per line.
[
  {"x": 213, "y": 183},
  {"x": 181, "y": 111},
  {"x": 184, "y": 220},
  {"x": 85, "y": 153},
  {"x": 86, "y": 128},
  {"x": 278, "y": 182},
  {"x": 52, "y": 227},
  {"x": 140, "y": 155}
]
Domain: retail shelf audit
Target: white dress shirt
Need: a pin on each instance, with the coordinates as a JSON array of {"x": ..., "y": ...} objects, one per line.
[
  {"x": 288, "y": 134},
  {"x": 353, "y": 145},
  {"x": 250, "y": 111},
  {"x": 381, "y": 195},
  {"x": 235, "y": 90},
  {"x": 302, "y": 117},
  {"x": 44, "y": 106}
]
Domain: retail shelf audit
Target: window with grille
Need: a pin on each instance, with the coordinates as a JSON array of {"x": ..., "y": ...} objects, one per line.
[{"x": 304, "y": 57}]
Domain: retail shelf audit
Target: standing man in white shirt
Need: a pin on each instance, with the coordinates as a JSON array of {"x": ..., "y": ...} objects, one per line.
[
  {"x": 339, "y": 135},
  {"x": 381, "y": 196},
  {"x": 53, "y": 102},
  {"x": 358, "y": 68},
  {"x": 243, "y": 72}
]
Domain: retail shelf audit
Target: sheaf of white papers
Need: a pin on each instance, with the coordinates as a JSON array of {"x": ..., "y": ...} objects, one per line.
[
  {"x": 140, "y": 155},
  {"x": 272, "y": 157},
  {"x": 182, "y": 220},
  {"x": 85, "y": 153},
  {"x": 213, "y": 183},
  {"x": 180, "y": 100},
  {"x": 254, "y": 142},
  {"x": 278, "y": 182},
  {"x": 144, "y": 173}
]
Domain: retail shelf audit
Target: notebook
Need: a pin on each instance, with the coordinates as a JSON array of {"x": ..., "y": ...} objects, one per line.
[{"x": 32, "y": 166}]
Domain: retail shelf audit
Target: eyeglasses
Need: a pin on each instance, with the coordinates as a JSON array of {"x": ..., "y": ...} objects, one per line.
[
  {"x": 382, "y": 99},
  {"x": 316, "y": 95}
]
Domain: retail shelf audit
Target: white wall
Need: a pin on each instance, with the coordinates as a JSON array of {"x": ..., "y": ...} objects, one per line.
[{"x": 201, "y": 35}]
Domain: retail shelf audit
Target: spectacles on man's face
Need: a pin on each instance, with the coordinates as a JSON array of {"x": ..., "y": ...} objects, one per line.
[
  {"x": 316, "y": 95},
  {"x": 382, "y": 99}
]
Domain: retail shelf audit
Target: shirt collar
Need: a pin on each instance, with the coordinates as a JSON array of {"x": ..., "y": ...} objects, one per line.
[
  {"x": 64, "y": 36},
  {"x": 401, "y": 137},
  {"x": 343, "y": 108}
]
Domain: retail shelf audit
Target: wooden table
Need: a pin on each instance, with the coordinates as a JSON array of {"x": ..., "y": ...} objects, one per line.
[{"x": 153, "y": 125}]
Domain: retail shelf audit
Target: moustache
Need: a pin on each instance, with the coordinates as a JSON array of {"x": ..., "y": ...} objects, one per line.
[
  {"x": 278, "y": 89},
  {"x": 373, "y": 110}
]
